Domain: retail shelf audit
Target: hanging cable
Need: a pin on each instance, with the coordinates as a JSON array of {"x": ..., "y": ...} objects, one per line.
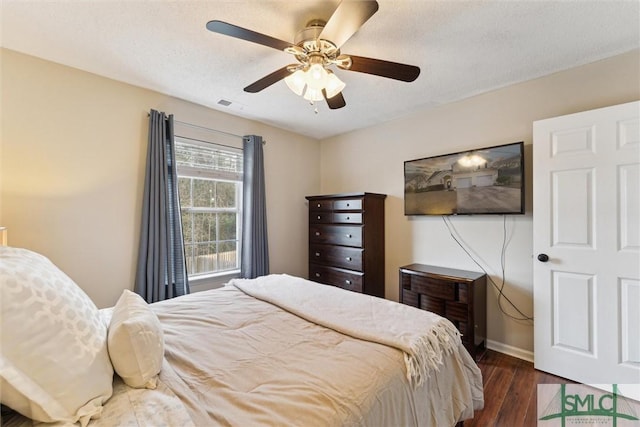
[{"x": 500, "y": 288}]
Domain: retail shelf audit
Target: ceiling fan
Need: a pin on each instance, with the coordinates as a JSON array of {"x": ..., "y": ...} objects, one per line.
[{"x": 316, "y": 48}]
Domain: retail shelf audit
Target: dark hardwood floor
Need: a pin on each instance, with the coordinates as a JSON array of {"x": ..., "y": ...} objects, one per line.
[{"x": 510, "y": 386}]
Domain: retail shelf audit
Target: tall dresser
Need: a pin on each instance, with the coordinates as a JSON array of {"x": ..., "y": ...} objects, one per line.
[{"x": 346, "y": 241}]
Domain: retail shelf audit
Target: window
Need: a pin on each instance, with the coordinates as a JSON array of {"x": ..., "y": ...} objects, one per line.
[{"x": 210, "y": 191}]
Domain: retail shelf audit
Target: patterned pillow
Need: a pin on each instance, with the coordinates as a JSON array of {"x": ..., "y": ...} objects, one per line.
[
  {"x": 135, "y": 341},
  {"x": 54, "y": 364}
]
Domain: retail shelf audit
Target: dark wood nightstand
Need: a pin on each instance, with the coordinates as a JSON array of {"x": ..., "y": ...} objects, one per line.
[{"x": 458, "y": 295}]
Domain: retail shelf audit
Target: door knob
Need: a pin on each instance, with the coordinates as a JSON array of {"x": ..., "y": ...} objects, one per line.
[{"x": 543, "y": 257}]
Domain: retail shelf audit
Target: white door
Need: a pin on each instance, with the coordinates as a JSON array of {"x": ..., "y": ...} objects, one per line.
[{"x": 586, "y": 220}]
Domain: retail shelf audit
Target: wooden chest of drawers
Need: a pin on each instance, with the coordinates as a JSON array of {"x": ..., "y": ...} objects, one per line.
[
  {"x": 346, "y": 241},
  {"x": 458, "y": 295}
]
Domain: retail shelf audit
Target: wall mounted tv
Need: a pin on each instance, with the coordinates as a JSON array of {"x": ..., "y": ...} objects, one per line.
[{"x": 483, "y": 181}]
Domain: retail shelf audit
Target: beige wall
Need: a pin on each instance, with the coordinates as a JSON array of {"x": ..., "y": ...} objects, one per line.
[
  {"x": 373, "y": 159},
  {"x": 72, "y": 165},
  {"x": 71, "y": 183}
]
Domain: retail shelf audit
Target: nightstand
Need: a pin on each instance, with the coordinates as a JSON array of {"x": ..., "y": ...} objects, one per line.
[{"x": 458, "y": 295}]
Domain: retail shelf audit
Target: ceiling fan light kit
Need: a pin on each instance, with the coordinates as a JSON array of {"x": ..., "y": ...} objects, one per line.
[
  {"x": 334, "y": 85},
  {"x": 310, "y": 81},
  {"x": 316, "y": 48},
  {"x": 296, "y": 82}
]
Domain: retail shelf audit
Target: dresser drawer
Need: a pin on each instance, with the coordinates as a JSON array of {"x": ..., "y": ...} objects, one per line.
[
  {"x": 320, "y": 217},
  {"x": 434, "y": 287},
  {"x": 327, "y": 217},
  {"x": 434, "y": 305},
  {"x": 344, "y": 235},
  {"x": 463, "y": 292},
  {"x": 349, "y": 280},
  {"x": 320, "y": 205},
  {"x": 456, "y": 311},
  {"x": 347, "y": 205},
  {"x": 347, "y": 217},
  {"x": 338, "y": 256}
]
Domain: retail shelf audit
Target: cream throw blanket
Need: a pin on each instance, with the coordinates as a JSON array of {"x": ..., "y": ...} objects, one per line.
[{"x": 424, "y": 337}]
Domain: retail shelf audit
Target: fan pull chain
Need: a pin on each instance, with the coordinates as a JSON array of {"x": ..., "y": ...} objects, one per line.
[{"x": 315, "y": 109}]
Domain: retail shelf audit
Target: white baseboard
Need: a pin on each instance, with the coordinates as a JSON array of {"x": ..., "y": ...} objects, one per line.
[{"x": 510, "y": 350}]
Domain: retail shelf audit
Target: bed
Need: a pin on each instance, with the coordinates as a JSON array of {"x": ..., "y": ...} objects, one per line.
[{"x": 277, "y": 350}]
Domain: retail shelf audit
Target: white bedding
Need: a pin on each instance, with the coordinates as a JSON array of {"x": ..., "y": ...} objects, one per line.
[
  {"x": 127, "y": 407},
  {"x": 250, "y": 363},
  {"x": 234, "y": 360},
  {"x": 424, "y": 337}
]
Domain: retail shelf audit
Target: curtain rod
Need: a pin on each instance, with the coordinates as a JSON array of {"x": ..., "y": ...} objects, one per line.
[
  {"x": 211, "y": 130},
  {"x": 208, "y": 142},
  {"x": 208, "y": 129}
]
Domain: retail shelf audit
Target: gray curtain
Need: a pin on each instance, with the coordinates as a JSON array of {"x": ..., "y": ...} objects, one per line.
[
  {"x": 255, "y": 248},
  {"x": 162, "y": 272}
]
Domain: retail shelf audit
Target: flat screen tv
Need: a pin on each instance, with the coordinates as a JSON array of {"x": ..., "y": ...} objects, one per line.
[{"x": 483, "y": 181}]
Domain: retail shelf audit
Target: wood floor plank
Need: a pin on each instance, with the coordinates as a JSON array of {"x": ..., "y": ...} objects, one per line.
[
  {"x": 510, "y": 392},
  {"x": 531, "y": 419},
  {"x": 499, "y": 384},
  {"x": 516, "y": 402}
]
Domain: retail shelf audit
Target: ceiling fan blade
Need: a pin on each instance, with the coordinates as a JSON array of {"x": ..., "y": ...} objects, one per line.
[
  {"x": 248, "y": 35},
  {"x": 268, "y": 80},
  {"x": 347, "y": 19},
  {"x": 378, "y": 67},
  {"x": 337, "y": 101}
]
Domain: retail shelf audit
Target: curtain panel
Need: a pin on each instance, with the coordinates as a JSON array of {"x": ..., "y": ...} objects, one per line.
[
  {"x": 161, "y": 272},
  {"x": 255, "y": 248}
]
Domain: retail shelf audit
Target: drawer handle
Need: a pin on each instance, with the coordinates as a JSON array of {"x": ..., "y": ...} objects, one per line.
[
  {"x": 349, "y": 236},
  {"x": 348, "y": 258},
  {"x": 317, "y": 274},
  {"x": 348, "y": 282},
  {"x": 319, "y": 205},
  {"x": 348, "y": 204},
  {"x": 319, "y": 217},
  {"x": 317, "y": 233},
  {"x": 317, "y": 253},
  {"x": 348, "y": 218}
]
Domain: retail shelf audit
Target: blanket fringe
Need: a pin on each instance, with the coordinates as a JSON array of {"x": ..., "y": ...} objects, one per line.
[{"x": 427, "y": 352}]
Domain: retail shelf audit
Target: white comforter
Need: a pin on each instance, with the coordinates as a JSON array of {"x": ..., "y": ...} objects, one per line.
[
  {"x": 424, "y": 337},
  {"x": 249, "y": 363},
  {"x": 235, "y": 360}
]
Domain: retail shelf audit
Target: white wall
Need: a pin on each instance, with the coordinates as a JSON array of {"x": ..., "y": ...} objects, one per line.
[
  {"x": 372, "y": 160},
  {"x": 72, "y": 166}
]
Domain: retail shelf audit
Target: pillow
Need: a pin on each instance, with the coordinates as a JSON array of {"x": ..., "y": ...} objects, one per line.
[
  {"x": 135, "y": 341},
  {"x": 54, "y": 364}
]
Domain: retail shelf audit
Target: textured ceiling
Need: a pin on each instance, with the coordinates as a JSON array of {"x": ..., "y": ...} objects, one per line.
[{"x": 462, "y": 47}]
